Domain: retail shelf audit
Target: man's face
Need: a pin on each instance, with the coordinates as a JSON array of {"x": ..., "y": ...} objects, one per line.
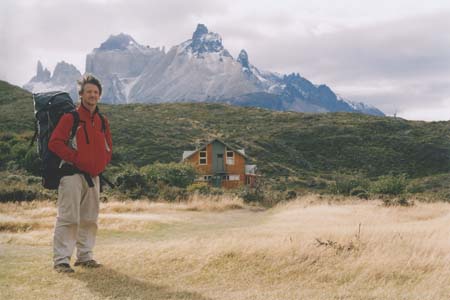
[{"x": 90, "y": 95}]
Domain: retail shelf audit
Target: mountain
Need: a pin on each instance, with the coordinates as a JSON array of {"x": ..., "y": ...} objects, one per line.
[
  {"x": 197, "y": 70},
  {"x": 118, "y": 63},
  {"x": 64, "y": 78}
]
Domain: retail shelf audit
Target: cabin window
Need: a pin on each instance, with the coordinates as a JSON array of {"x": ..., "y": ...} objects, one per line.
[
  {"x": 204, "y": 178},
  {"x": 234, "y": 177},
  {"x": 202, "y": 158},
  {"x": 230, "y": 157},
  {"x": 225, "y": 177}
]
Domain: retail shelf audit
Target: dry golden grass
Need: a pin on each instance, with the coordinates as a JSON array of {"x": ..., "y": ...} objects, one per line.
[
  {"x": 312, "y": 248},
  {"x": 195, "y": 202}
]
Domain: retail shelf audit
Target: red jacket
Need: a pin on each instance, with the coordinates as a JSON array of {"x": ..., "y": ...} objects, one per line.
[{"x": 93, "y": 147}]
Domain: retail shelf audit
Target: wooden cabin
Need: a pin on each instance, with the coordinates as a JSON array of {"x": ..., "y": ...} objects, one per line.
[{"x": 221, "y": 165}]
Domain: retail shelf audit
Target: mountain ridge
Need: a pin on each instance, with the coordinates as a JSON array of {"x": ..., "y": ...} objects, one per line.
[{"x": 198, "y": 69}]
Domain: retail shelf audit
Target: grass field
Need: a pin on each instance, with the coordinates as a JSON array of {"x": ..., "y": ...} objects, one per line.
[{"x": 312, "y": 248}]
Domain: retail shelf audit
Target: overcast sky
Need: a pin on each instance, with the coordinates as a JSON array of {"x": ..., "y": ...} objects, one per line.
[{"x": 394, "y": 54}]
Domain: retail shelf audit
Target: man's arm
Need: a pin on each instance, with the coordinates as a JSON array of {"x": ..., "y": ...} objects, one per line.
[{"x": 60, "y": 137}]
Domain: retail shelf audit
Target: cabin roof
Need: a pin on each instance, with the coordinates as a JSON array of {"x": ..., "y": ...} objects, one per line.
[{"x": 187, "y": 154}]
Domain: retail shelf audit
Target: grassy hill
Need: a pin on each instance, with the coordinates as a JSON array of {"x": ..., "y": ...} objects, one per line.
[{"x": 281, "y": 143}]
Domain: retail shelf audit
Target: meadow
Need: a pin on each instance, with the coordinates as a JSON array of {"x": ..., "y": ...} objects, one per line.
[{"x": 218, "y": 247}]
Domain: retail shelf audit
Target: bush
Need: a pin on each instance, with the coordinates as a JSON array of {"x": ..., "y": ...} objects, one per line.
[
  {"x": 360, "y": 192},
  {"x": 31, "y": 162},
  {"x": 132, "y": 182},
  {"x": 398, "y": 201},
  {"x": 155, "y": 181},
  {"x": 199, "y": 187},
  {"x": 173, "y": 193},
  {"x": 390, "y": 185},
  {"x": 12, "y": 179},
  {"x": 18, "y": 193},
  {"x": 173, "y": 174},
  {"x": 33, "y": 180},
  {"x": 251, "y": 195},
  {"x": 349, "y": 185},
  {"x": 291, "y": 195}
]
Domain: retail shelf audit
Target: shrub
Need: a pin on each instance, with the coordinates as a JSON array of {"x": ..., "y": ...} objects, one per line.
[
  {"x": 349, "y": 185},
  {"x": 131, "y": 182},
  {"x": 291, "y": 195},
  {"x": 200, "y": 187},
  {"x": 12, "y": 179},
  {"x": 360, "y": 192},
  {"x": 173, "y": 174},
  {"x": 398, "y": 201},
  {"x": 251, "y": 195},
  {"x": 33, "y": 180},
  {"x": 18, "y": 193},
  {"x": 173, "y": 193},
  {"x": 390, "y": 185},
  {"x": 31, "y": 162}
]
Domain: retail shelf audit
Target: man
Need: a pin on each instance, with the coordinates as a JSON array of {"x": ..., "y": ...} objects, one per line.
[{"x": 78, "y": 193}]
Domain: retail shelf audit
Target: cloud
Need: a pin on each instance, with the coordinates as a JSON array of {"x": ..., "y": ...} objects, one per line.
[
  {"x": 68, "y": 30},
  {"x": 393, "y": 65},
  {"x": 392, "y": 54}
]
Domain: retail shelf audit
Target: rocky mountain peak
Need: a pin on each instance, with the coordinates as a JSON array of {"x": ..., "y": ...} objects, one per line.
[
  {"x": 65, "y": 73},
  {"x": 243, "y": 59},
  {"x": 42, "y": 74},
  {"x": 205, "y": 41},
  {"x": 120, "y": 41}
]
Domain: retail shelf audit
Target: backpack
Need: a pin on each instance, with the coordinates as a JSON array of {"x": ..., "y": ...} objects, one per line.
[{"x": 49, "y": 107}]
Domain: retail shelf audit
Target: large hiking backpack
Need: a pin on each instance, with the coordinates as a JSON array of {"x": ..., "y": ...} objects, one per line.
[{"x": 49, "y": 107}]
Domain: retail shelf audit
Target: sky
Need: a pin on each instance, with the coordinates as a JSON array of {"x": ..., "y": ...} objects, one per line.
[{"x": 392, "y": 54}]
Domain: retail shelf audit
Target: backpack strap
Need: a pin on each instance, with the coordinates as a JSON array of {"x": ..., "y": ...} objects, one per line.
[
  {"x": 103, "y": 122},
  {"x": 76, "y": 122},
  {"x": 36, "y": 130}
]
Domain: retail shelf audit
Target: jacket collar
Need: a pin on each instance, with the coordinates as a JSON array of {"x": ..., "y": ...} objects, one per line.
[{"x": 86, "y": 110}]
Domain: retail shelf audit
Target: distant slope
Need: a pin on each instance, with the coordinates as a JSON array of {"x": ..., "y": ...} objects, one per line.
[
  {"x": 16, "y": 109},
  {"x": 281, "y": 143}
]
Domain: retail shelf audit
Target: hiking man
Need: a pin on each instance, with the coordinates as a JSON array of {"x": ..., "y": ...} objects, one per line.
[{"x": 85, "y": 156}]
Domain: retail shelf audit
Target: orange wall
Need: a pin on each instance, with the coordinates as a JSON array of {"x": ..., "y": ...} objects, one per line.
[
  {"x": 239, "y": 164},
  {"x": 195, "y": 158}
]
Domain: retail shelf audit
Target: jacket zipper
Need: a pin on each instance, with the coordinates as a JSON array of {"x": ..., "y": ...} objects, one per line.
[{"x": 85, "y": 132}]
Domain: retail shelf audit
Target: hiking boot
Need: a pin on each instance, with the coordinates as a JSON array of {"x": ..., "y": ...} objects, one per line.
[
  {"x": 63, "y": 268},
  {"x": 88, "y": 264}
]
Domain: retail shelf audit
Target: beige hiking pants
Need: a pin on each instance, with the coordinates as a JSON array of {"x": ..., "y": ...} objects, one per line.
[{"x": 76, "y": 221}]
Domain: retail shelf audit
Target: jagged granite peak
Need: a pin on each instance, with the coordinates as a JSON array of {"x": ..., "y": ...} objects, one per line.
[
  {"x": 199, "y": 32},
  {"x": 65, "y": 73},
  {"x": 41, "y": 73},
  {"x": 204, "y": 41},
  {"x": 243, "y": 59},
  {"x": 64, "y": 78},
  {"x": 120, "y": 41}
]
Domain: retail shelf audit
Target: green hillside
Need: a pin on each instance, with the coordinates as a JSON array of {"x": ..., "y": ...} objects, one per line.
[{"x": 280, "y": 143}]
